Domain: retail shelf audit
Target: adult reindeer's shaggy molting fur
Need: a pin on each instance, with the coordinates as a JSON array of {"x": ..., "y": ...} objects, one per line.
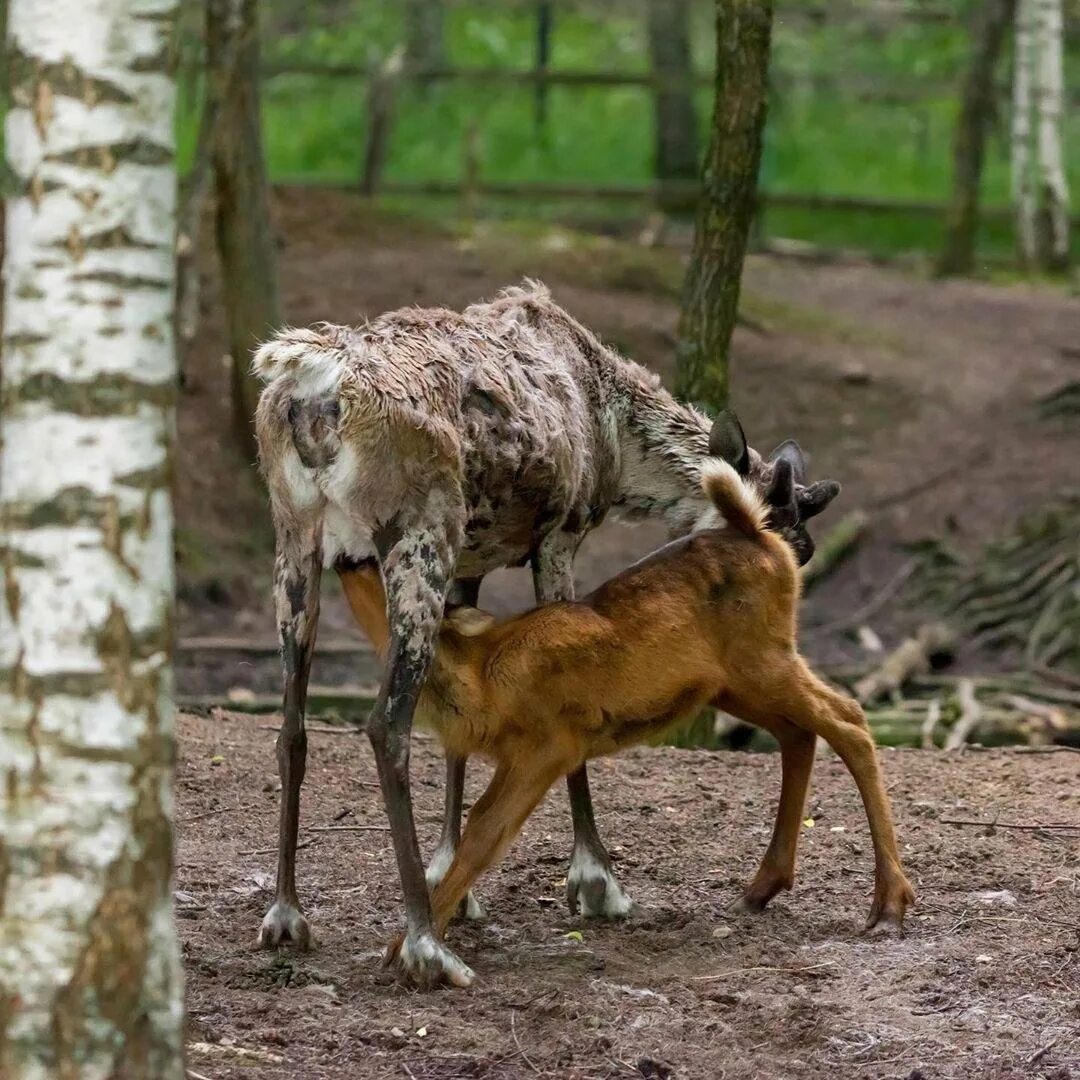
[
  {"x": 708, "y": 620},
  {"x": 446, "y": 445}
]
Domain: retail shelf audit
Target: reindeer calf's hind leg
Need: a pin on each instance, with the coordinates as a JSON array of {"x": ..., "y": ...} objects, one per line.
[{"x": 840, "y": 721}]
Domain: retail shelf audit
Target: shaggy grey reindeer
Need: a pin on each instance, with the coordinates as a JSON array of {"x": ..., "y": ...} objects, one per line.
[{"x": 445, "y": 445}]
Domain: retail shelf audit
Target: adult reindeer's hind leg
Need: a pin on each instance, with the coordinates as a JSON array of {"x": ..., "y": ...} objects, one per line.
[
  {"x": 297, "y": 571},
  {"x": 591, "y": 886}
]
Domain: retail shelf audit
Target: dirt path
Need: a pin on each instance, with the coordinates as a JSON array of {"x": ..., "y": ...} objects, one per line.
[{"x": 986, "y": 985}]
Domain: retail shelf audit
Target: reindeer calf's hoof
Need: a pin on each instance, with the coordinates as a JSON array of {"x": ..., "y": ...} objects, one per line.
[
  {"x": 471, "y": 908},
  {"x": 282, "y": 923},
  {"x": 425, "y": 962},
  {"x": 592, "y": 890},
  {"x": 887, "y": 912}
]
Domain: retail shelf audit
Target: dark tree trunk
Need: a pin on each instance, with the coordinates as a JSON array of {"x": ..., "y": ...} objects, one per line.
[
  {"x": 244, "y": 236},
  {"x": 729, "y": 195},
  {"x": 424, "y": 41},
  {"x": 545, "y": 21},
  {"x": 991, "y": 23},
  {"x": 676, "y": 151}
]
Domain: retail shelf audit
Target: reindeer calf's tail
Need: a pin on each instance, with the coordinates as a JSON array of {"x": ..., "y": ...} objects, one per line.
[{"x": 743, "y": 510}]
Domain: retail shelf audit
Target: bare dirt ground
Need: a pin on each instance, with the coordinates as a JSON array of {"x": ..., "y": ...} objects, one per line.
[
  {"x": 919, "y": 396},
  {"x": 985, "y": 986}
]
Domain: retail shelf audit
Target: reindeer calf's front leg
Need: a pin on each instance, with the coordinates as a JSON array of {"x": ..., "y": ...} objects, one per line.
[{"x": 591, "y": 886}]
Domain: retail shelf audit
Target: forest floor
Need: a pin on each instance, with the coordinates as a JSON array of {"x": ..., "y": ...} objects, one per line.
[
  {"x": 919, "y": 396},
  {"x": 984, "y": 986}
]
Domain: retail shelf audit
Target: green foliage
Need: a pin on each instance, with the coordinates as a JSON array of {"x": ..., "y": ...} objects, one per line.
[{"x": 826, "y": 134}]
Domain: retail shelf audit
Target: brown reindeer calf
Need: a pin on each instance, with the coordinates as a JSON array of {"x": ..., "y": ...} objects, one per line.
[{"x": 706, "y": 620}]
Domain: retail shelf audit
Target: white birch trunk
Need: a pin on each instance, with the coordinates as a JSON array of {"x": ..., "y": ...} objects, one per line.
[
  {"x": 90, "y": 980},
  {"x": 1020, "y": 143},
  {"x": 1052, "y": 186}
]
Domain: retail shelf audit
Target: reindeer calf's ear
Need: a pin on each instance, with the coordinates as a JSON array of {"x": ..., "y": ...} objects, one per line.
[
  {"x": 728, "y": 441},
  {"x": 790, "y": 451}
]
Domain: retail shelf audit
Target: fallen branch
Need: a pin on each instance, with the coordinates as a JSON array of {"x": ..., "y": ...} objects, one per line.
[
  {"x": 970, "y": 714},
  {"x": 835, "y": 546},
  {"x": 874, "y": 605},
  {"x": 912, "y": 657},
  {"x": 1010, "y": 825},
  {"x": 318, "y": 730},
  {"x": 348, "y": 828},
  {"x": 212, "y": 813},
  {"x": 933, "y": 716}
]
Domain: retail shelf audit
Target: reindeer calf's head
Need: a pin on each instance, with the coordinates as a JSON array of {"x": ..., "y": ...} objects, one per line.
[{"x": 780, "y": 479}]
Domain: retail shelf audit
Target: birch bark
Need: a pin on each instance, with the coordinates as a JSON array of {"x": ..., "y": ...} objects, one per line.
[
  {"x": 1020, "y": 141},
  {"x": 90, "y": 981},
  {"x": 1052, "y": 232}
]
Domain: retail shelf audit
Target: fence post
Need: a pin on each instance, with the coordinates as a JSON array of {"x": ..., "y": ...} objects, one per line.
[
  {"x": 470, "y": 173},
  {"x": 382, "y": 96}
]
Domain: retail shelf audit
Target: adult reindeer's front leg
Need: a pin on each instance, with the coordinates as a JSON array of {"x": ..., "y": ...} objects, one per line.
[
  {"x": 417, "y": 559},
  {"x": 591, "y": 887},
  {"x": 297, "y": 571}
]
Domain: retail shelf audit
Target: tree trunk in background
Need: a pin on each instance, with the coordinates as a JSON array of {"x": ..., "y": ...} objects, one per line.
[
  {"x": 1052, "y": 220},
  {"x": 711, "y": 293},
  {"x": 676, "y": 153},
  {"x": 90, "y": 977},
  {"x": 424, "y": 34},
  {"x": 977, "y": 109},
  {"x": 545, "y": 24},
  {"x": 1020, "y": 138},
  {"x": 244, "y": 236}
]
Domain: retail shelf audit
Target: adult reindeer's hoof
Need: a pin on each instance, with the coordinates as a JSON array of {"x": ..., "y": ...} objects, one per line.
[
  {"x": 283, "y": 923},
  {"x": 591, "y": 888},
  {"x": 425, "y": 962}
]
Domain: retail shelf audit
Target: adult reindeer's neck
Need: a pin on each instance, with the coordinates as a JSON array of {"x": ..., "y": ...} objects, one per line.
[{"x": 663, "y": 444}]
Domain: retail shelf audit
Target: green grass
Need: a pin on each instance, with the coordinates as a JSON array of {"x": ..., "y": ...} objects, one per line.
[{"x": 817, "y": 142}]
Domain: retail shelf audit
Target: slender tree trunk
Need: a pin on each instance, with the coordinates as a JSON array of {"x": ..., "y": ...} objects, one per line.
[
  {"x": 1052, "y": 221},
  {"x": 545, "y": 23},
  {"x": 424, "y": 34},
  {"x": 977, "y": 109},
  {"x": 676, "y": 133},
  {"x": 244, "y": 236},
  {"x": 90, "y": 978},
  {"x": 711, "y": 293},
  {"x": 1020, "y": 139}
]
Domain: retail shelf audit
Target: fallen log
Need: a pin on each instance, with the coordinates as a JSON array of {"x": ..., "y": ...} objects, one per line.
[{"x": 914, "y": 656}]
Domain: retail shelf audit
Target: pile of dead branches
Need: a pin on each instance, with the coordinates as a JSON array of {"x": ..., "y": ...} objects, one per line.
[
  {"x": 1020, "y": 595},
  {"x": 1019, "y": 598}
]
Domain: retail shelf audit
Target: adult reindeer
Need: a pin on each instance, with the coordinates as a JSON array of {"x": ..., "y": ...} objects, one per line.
[{"x": 446, "y": 445}]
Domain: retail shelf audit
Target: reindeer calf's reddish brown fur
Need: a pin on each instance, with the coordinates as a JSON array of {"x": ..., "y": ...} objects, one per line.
[{"x": 707, "y": 620}]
